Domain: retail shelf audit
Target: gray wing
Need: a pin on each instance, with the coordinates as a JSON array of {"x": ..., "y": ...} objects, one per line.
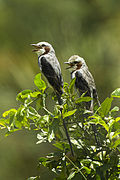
[
  {"x": 81, "y": 84},
  {"x": 87, "y": 84},
  {"x": 52, "y": 73},
  {"x": 88, "y": 77}
]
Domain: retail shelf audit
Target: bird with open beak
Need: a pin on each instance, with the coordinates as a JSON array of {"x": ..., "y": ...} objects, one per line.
[
  {"x": 49, "y": 66},
  {"x": 84, "y": 80}
]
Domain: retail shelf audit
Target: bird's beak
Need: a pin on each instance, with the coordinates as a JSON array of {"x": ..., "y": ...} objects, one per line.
[
  {"x": 68, "y": 63},
  {"x": 37, "y": 47}
]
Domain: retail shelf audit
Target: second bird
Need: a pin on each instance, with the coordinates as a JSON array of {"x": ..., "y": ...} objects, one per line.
[
  {"x": 50, "y": 67},
  {"x": 84, "y": 79}
]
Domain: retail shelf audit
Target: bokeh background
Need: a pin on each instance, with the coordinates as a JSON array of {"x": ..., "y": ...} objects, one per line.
[{"x": 89, "y": 28}]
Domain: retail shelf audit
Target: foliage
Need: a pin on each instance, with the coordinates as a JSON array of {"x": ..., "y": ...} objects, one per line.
[{"x": 94, "y": 136}]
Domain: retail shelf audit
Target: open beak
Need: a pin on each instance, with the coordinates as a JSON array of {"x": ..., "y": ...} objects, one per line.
[
  {"x": 66, "y": 62},
  {"x": 37, "y": 47},
  {"x": 69, "y": 64}
]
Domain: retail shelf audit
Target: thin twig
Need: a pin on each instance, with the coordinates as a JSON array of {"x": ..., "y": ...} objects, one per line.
[
  {"x": 79, "y": 170},
  {"x": 67, "y": 135},
  {"x": 48, "y": 111}
]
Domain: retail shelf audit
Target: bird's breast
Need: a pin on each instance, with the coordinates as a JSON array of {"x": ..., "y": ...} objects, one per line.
[{"x": 39, "y": 63}]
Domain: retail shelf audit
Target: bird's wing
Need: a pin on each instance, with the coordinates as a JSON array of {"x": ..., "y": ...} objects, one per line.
[
  {"x": 88, "y": 77},
  {"x": 88, "y": 81},
  {"x": 82, "y": 84},
  {"x": 53, "y": 73},
  {"x": 83, "y": 87}
]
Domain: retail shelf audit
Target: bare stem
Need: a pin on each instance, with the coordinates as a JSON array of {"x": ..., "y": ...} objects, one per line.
[{"x": 67, "y": 135}]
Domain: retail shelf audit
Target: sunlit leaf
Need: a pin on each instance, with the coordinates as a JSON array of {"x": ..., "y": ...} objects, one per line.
[
  {"x": 102, "y": 122},
  {"x": 105, "y": 106},
  {"x": 43, "y": 159},
  {"x": 116, "y": 143},
  {"x": 23, "y": 94},
  {"x": 72, "y": 174},
  {"x": 4, "y": 122},
  {"x": 41, "y": 138},
  {"x": 98, "y": 120},
  {"x": 58, "y": 145},
  {"x": 51, "y": 136},
  {"x": 116, "y": 108},
  {"x": 6, "y": 113},
  {"x": 32, "y": 112},
  {"x": 33, "y": 178},
  {"x": 21, "y": 119},
  {"x": 69, "y": 113},
  {"x": 75, "y": 142},
  {"x": 39, "y": 82},
  {"x": 117, "y": 119},
  {"x": 116, "y": 93},
  {"x": 72, "y": 83},
  {"x": 46, "y": 118},
  {"x": 35, "y": 94},
  {"x": 115, "y": 134},
  {"x": 113, "y": 121},
  {"x": 83, "y": 99},
  {"x": 11, "y": 131},
  {"x": 88, "y": 171}
]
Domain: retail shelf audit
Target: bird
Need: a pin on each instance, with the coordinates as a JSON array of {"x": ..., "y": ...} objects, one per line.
[
  {"x": 50, "y": 67},
  {"x": 84, "y": 82}
]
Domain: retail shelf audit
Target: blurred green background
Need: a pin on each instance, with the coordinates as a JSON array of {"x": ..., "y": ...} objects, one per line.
[{"x": 89, "y": 28}]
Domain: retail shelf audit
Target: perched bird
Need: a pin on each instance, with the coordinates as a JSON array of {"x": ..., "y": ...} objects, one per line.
[
  {"x": 84, "y": 80},
  {"x": 50, "y": 67}
]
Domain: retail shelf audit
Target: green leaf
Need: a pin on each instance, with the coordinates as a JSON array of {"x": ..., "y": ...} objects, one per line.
[
  {"x": 23, "y": 94},
  {"x": 46, "y": 118},
  {"x": 72, "y": 83},
  {"x": 43, "y": 161},
  {"x": 6, "y": 113},
  {"x": 98, "y": 120},
  {"x": 32, "y": 112},
  {"x": 39, "y": 82},
  {"x": 117, "y": 119},
  {"x": 116, "y": 108},
  {"x": 20, "y": 114},
  {"x": 88, "y": 171},
  {"x": 83, "y": 99},
  {"x": 116, "y": 143},
  {"x": 105, "y": 106},
  {"x": 72, "y": 174},
  {"x": 35, "y": 94},
  {"x": 75, "y": 142},
  {"x": 59, "y": 145},
  {"x": 102, "y": 123},
  {"x": 41, "y": 138},
  {"x": 116, "y": 93},
  {"x": 115, "y": 134},
  {"x": 11, "y": 131},
  {"x": 33, "y": 178},
  {"x": 114, "y": 122},
  {"x": 69, "y": 113},
  {"x": 4, "y": 122},
  {"x": 51, "y": 136}
]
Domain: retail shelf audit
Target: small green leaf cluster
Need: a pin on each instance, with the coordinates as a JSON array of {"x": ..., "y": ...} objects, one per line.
[{"x": 95, "y": 137}]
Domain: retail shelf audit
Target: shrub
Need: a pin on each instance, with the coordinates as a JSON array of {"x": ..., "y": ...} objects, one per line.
[{"x": 93, "y": 151}]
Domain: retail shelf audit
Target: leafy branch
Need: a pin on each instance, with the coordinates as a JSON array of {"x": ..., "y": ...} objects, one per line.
[{"x": 90, "y": 160}]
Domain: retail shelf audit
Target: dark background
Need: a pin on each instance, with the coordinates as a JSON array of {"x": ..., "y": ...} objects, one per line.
[{"x": 89, "y": 28}]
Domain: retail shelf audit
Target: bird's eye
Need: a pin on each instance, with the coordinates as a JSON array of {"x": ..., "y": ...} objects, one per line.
[
  {"x": 75, "y": 62},
  {"x": 43, "y": 45}
]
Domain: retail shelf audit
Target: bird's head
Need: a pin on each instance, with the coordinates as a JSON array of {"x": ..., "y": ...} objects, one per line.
[
  {"x": 75, "y": 62},
  {"x": 42, "y": 48}
]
